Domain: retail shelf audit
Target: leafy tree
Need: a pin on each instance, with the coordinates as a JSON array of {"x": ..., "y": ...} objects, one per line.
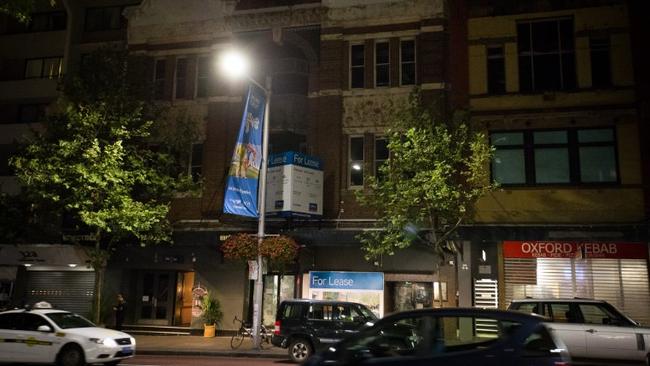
[
  {"x": 20, "y": 9},
  {"x": 435, "y": 173},
  {"x": 96, "y": 164}
]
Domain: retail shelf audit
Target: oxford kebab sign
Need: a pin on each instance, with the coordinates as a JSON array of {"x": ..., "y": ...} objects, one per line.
[{"x": 564, "y": 249}]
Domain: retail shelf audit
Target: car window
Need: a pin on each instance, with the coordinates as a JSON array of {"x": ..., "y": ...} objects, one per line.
[
  {"x": 597, "y": 314},
  {"x": 367, "y": 312},
  {"x": 400, "y": 338},
  {"x": 11, "y": 321},
  {"x": 345, "y": 312},
  {"x": 69, "y": 320},
  {"x": 539, "y": 343},
  {"x": 320, "y": 312},
  {"x": 292, "y": 311},
  {"x": 31, "y": 322},
  {"x": 458, "y": 334},
  {"x": 528, "y": 307},
  {"x": 562, "y": 313}
]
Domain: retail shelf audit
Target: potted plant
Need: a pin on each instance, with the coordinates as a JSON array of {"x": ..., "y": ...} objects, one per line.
[{"x": 212, "y": 315}]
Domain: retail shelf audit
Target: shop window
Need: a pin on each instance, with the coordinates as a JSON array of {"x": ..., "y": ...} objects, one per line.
[
  {"x": 439, "y": 287},
  {"x": 203, "y": 76},
  {"x": 159, "y": 79},
  {"x": 104, "y": 18},
  {"x": 407, "y": 62},
  {"x": 355, "y": 161},
  {"x": 601, "y": 69},
  {"x": 573, "y": 156},
  {"x": 382, "y": 64},
  {"x": 496, "y": 70},
  {"x": 357, "y": 66},
  {"x": 546, "y": 55},
  {"x": 180, "y": 78},
  {"x": 381, "y": 155},
  {"x": 44, "y": 68}
]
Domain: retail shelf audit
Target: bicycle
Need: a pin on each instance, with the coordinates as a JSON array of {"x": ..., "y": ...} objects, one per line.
[{"x": 245, "y": 331}]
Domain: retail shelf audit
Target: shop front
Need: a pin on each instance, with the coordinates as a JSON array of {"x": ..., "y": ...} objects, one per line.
[
  {"x": 362, "y": 287},
  {"x": 613, "y": 271}
]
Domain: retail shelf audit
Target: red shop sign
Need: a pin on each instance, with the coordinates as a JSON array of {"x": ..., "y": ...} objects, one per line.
[{"x": 564, "y": 249}]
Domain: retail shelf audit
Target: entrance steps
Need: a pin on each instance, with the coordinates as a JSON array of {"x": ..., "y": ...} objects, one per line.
[{"x": 161, "y": 330}]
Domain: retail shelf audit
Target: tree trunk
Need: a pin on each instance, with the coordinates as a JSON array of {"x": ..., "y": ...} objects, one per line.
[{"x": 97, "y": 303}]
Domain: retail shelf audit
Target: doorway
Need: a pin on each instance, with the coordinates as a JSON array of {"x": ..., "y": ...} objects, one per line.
[{"x": 155, "y": 305}]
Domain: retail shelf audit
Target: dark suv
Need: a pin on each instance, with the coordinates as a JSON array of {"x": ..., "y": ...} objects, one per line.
[{"x": 303, "y": 326}]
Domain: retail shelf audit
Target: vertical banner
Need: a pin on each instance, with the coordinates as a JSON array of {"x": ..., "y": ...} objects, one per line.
[{"x": 243, "y": 176}]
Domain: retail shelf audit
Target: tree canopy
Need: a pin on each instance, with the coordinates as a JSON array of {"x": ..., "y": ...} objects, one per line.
[
  {"x": 436, "y": 171},
  {"x": 20, "y": 9}
]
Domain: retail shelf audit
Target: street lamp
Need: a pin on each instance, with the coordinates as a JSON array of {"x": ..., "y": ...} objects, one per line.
[{"x": 235, "y": 65}]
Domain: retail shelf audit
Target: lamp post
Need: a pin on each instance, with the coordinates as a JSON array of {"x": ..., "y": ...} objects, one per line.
[{"x": 236, "y": 65}]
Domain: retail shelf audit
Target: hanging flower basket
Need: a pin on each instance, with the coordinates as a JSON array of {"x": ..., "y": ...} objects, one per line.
[{"x": 279, "y": 250}]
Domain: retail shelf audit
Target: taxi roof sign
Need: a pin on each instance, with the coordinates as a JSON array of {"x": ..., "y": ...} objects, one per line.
[{"x": 42, "y": 305}]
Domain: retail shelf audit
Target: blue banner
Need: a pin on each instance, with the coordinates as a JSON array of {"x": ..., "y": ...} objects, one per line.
[
  {"x": 347, "y": 280},
  {"x": 243, "y": 176}
]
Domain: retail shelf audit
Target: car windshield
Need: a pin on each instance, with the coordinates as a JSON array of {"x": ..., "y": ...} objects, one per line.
[
  {"x": 69, "y": 320},
  {"x": 367, "y": 312}
]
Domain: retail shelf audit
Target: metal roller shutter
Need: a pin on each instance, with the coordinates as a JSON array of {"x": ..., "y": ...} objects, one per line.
[
  {"x": 66, "y": 290},
  {"x": 621, "y": 282}
]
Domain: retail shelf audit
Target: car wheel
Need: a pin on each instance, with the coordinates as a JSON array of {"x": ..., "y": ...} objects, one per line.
[
  {"x": 71, "y": 355},
  {"x": 299, "y": 350}
]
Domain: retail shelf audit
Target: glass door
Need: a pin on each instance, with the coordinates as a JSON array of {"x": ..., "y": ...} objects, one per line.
[{"x": 156, "y": 300}]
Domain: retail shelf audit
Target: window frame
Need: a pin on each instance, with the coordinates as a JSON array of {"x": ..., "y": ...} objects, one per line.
[
  {"x": 402, "y": 62},
  {"x": 180, "y": 80},
  {"x": 502, "y": 57},
  {"x": 362, "y": 67},
  {"x": 375, "y": 161},
  {"x": 162, "y": 80},
  {"x": 351, "y": 161},
  {"x": 377, "y": 65},
  {"x": 601, "y": 45},
  {"x": 195, "y": 170},
  {"x": 573, "y": 145},
  {"x": 42, "y": 72},
  {"x": 122, "y": 21},
  {"x": 200, "y": 79}
]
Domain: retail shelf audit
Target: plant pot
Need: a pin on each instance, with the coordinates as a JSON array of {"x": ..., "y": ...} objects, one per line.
[{"x": 209, "y": 330}]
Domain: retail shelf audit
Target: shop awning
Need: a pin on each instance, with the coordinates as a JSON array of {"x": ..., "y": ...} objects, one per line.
[{"x": 42, "y": 254}]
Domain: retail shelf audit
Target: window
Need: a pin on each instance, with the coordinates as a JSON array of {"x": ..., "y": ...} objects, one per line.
[
  {"x": 196, "y": 162},
  {"x": 601, "y": 70},
  {"x": 44, "y": 68},
  {"x": 31, "y": 322},
  {"x": 571, "y": 156},
  {"x": 407, "y": 62},
  {"x": 496, "y": 70},
  {"x": 105, "y": 18},
  {"x": 539, "y": 344},
  {"x": 381, "y": 154},
  {"x": 292, "y": 311},
  {"x": 355, "y": 154},
  {"x": 11, "y": 321},
  {"x": 159, "y": 79},
  {"x": 561, "y": 313},
  {"x": 320, "y": 312},
  {"x": 43, "y": 22},
  {"x": 596, "y": 314},
  {"x": 357, "y": 66},
  {"x": 546, "y": 55},
  {"x": 382, "y": 64},
  {"x": 31, "y": 113},
  {"x": 181, "y": 78},
  {"x": 437, "y": 286},
  {"x": 203, "y": 76}
]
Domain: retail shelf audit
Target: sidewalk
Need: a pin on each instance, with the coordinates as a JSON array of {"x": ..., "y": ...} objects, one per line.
[{"x": 200, "y": 346}]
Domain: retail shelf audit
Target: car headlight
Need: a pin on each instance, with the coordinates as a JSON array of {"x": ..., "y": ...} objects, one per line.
[
  {"x": 109, "y": 342},
  {"x": 132, "y": 341}
]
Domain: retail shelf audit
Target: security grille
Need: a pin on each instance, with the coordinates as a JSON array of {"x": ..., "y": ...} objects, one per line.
[
  {"x": 66, "y": 290},
  {"x": 621, "y": 282}
]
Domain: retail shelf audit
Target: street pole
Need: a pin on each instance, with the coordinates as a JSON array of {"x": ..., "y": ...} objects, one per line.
[{"x": 259, "y": 283}]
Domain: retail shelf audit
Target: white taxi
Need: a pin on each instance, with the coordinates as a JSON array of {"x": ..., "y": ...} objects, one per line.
[{"x": 46, "y": 335}]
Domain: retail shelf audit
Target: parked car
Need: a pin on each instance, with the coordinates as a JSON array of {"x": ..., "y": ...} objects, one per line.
[
  {"x": 592, "y": 329},
  {"x": 304, "y": 326},
  {"x": 449, "y": 337},
  {"x": 47, "y": 335}
]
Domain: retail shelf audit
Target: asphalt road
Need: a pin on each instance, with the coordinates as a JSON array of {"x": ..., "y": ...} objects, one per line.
[{"x": 144, "y": 360}]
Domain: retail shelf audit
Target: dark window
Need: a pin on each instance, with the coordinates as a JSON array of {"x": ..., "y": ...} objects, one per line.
[
  {"x": 357, "y": 66},
  {"x": 356, "y": 161},
  {"x": 539, "y": 343},
  {"x": 159, "y": 79},
  {"x": 196, "y": 162},
  {"x": 11, "y": 321},
  {"x": 496, "y": 70},
  {"x": 44, "y": 68},
  {"x": 571, "y": 156},
  {"x": 320, "y": 312},
  {"x": 203, "y": 76},
  {"x": 69, "y": 320},
  {"x": 546, "y": 55},
  {"x": 31, "y": 322},
  {"x": 292, "y": 311},
  {"x": 39, "y": 22},
  {"x": 31, "y": 113},
  {"x": 181, "y": 78},
  {"x": 381, "y": 154},
  {"x": 382, "y": 64},
  {"x": 601, "y": 69},
  {"x": 105, "y": 18},
  {"x": 407, "y": 62}
]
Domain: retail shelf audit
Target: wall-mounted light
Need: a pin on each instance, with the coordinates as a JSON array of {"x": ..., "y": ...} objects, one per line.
[{"x": 483, "y": 255}]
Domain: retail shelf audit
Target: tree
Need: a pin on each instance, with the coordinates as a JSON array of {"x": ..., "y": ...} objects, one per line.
[
  {"x": 97, "y": 165},
  {"x": 436, "y": 171},
  {"x": 20, "y": 9}
]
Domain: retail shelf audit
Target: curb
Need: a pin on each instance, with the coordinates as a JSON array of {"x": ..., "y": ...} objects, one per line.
[{"x": 250, "y": 354}]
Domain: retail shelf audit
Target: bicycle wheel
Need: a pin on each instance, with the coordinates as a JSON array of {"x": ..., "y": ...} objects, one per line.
[{"x": 237, "y": 340}]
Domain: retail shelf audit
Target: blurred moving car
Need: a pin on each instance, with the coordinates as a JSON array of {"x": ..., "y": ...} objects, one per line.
[
  {"x": 303, "y": 326},
  {"x": 47, "y": 335},
  {"x": 450, "y": 337},
  {"x": 592, "y": 329}
]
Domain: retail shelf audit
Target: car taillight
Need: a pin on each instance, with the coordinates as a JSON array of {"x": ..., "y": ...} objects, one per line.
[
  {"x": 561, "y": 363},
  {"x": 276, "y": 328}
]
